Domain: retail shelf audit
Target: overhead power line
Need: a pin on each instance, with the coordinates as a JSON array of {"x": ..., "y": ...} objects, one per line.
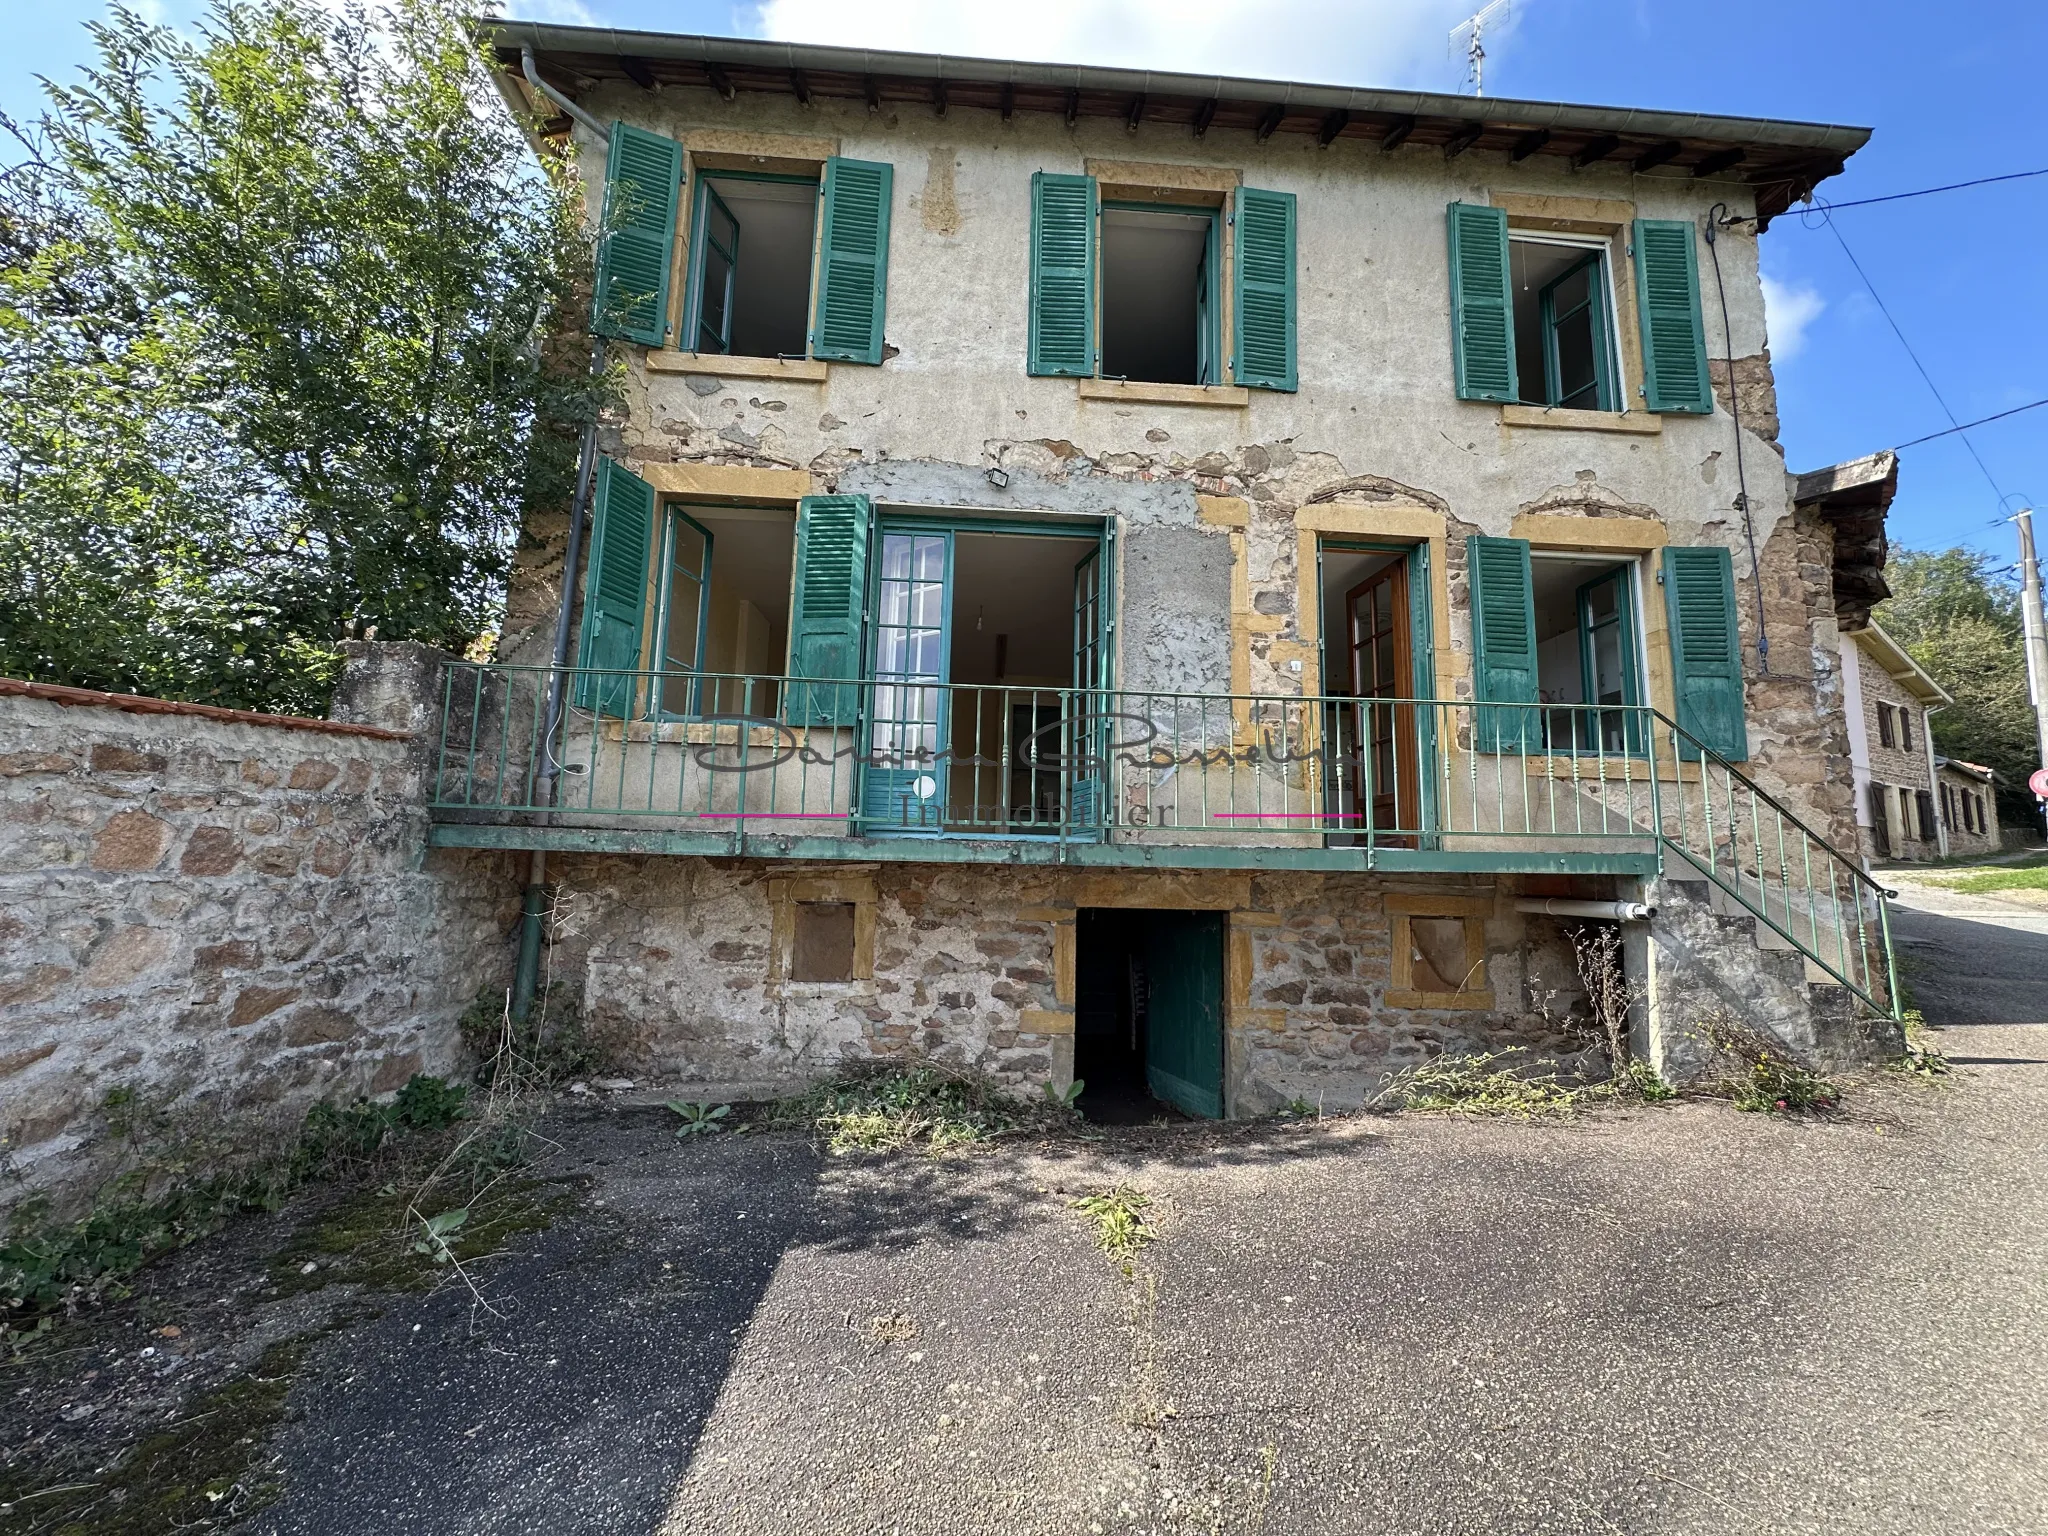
[
  {"x": 1932, "y": 388},
  {"x": 1966, "y": 426},
  {"x": 1821, "y": 207}
]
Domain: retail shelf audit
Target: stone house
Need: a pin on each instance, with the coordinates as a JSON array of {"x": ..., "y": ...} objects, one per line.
[
  {"x": 1186, "y": 583},
  {"x": 1888, "y": 699},
  {"x": 1968, "y": 796}
]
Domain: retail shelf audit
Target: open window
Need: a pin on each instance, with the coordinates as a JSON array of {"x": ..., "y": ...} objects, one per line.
[
  {"x": 1587, "y": 652},
  {"x": 1135, "y": 291},
  {"x": 750, "y": 277},
  {"x": 1159, "y": 290},
  {"x": 985, "y": 651},
  {"x": 1564, "y": 346},
  {"x": 722, "y": 609}
]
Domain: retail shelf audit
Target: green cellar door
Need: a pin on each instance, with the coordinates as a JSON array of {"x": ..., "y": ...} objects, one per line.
[{"x": 1184, "y": 1012}]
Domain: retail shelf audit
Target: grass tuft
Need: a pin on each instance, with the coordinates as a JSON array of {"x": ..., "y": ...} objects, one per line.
[
  {"x": 1120, "y": 1226},
  {"x": 885, "y": 1109}
]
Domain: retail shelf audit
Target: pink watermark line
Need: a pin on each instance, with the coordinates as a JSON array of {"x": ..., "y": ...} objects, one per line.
[
  {"x": 768, "y": 815},
  {"x": 1287, "y": 815}
]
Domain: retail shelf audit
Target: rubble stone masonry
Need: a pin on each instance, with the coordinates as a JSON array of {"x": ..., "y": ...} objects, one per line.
[{"x": 220, "y": 911}]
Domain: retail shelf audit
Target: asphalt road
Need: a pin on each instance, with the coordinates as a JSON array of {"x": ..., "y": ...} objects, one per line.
[
  {"x": 1675, "y": 1320},
  {"x": 1972, "y": 959}
]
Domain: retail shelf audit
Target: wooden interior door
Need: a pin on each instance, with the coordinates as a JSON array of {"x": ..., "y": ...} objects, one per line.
[{"x": 1380, "y": 641}]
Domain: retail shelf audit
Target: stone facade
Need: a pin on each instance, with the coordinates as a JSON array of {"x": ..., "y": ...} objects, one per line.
[
  {"x": 220, "y": 911},
  {"x": 1218, "y": 499},
  {"x": 1974, "y": 830},
  {"x": 1893, "y": 753},
  {"x": 682, "y": 967}
]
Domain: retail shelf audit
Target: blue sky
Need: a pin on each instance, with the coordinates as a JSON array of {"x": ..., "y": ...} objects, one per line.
[{"x": 1951, "y": 92}]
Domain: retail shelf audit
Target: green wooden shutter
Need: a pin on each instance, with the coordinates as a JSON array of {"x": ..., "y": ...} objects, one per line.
[
  {"x": 1264, "y": 297},
  {"x": 853, "y": 273},
  {"x": 1706, "y": 651},
  {"x": 1503, "y": 644},
  {"x": 615, "y": 591},
  {"x": 1062, "y": 275},
  {"x": 643, "y": 179},
  {"x": 1668, "y": 298},
  {"x": 825, "y": 619},
  {"x": 1482, "y": 308}
]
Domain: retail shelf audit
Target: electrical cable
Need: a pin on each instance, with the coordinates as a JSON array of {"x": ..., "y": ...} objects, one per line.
[
  {"x": 1895, "y": 197},
  {"x": 1925, "y": 376},
  {"x": 2031, "y": 405},
  {"x": 1756, "y": 573}
]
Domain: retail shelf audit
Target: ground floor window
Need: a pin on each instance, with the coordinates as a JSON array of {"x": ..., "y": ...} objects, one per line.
[
  {"x": 1587, "y": 651},
  {"x": 722, "y": 611},
  {"x": 986, "y": 650}
]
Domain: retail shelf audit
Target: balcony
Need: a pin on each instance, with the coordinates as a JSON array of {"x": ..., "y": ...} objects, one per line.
[{"x": 793, "y": 768}]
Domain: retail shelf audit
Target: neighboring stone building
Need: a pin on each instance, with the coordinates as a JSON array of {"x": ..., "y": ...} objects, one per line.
[
  {"x": 1035, "y": 486},
  {"x": 1969, "y": 807},
  {"x": 1891, "y": 748}
]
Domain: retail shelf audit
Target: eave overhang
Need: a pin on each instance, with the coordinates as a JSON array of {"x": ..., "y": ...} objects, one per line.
[
  {"x": 1854, "y": 497},
  {"x": 1781, "y": 162}
]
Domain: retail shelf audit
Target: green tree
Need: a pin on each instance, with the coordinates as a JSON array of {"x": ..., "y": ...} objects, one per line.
[
  {"x": 1957, "y": 613},
  {"x": 272, "y": 305}
]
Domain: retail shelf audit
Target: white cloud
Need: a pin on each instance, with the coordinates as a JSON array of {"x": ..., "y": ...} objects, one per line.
[
  {"x": 1350, "y": 42},
  {"x": 1788, "y": 310}
]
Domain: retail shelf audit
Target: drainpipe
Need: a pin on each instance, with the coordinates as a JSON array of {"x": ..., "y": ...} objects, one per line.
[
  {"x": 1606, "y": 911},
  {"x": 533, "y": 905}
]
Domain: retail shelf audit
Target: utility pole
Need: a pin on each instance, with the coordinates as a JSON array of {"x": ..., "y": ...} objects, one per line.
[{"x": 2034, "y": 629}]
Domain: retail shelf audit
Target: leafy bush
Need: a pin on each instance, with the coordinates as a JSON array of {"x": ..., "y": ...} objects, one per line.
[{"x": 550, "y": 1048}]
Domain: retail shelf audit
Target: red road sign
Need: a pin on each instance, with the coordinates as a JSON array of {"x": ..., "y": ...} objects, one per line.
[{"x": 2039, "y": 783}]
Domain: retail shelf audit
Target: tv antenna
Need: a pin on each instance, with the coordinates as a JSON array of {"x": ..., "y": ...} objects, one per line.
[{"x": 1472, "y": 31}]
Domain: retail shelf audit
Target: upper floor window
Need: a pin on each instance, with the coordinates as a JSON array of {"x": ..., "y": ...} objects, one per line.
[
  {"x": 1564, "y": 349},
  {"x": 1138, "y": 291},
  {"x": 777, "y": 266},
  {"x": 1532, "y": 316},
  {"x": 750, "y": 269},
  {"x": 1159, "y": 290}
]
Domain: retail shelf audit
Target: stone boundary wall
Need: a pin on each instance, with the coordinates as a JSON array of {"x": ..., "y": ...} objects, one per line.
[{"x": 232, "y": 914}]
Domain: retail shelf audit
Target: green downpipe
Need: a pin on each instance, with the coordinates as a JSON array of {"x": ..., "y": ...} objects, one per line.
[{"x": 532, "y": 917}]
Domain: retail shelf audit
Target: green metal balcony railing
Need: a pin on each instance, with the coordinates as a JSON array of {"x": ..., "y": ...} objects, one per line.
[{"x": 840, "y": 768}]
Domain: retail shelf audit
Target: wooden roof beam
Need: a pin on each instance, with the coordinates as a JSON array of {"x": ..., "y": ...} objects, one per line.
[
  {"x": 637, "y": 71},
  {"x": 1270, "y": 119},
  {"x": 1462, "y": 140},
  {"x": 721, "y": 82},
  {"x": 1333, "y": 124},
  {"x": 1397, "y": 135},
  {"x": 1205, "y": 114},
  {"x": 1073, "y": 107},
  {"x": 1595, "y": 150},
  {"x": 1719, "y": 161},
  {"x": 1656, "y": 155},
  {"x": 939, "y": 98},
  {"x": 1136, "y": 115},
  {"x": 801, "y": 86},
  {"x": 874, "y": 93},
  {"x": 1007, "y": 105}
]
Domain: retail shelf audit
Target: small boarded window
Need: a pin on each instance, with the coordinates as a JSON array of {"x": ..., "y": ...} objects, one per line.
[
  {"x": 1439, "y": 952},
  {"x": 1884, "y": 725},
  {"x": 823, "y": 950}
]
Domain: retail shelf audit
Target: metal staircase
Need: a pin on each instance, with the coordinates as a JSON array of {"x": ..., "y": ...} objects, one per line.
[{"x": 1761, "y": 860}]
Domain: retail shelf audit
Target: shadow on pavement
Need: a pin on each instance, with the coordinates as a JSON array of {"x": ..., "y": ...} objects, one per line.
[
  {"x": 577, "y": 1408},
  {"x": 1965, "y": 971}
]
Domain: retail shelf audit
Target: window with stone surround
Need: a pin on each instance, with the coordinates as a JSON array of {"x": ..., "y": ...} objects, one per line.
[{"x": 1439, "y": 952}]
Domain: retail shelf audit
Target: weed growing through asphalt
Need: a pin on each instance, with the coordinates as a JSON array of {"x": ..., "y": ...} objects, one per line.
[
  {"x": 1760, "y": 1075},
  {"x": 1121, "y": 1229},
  {"x": 886, "y": 1109},
  {"x": 698, "y": 1119}
]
